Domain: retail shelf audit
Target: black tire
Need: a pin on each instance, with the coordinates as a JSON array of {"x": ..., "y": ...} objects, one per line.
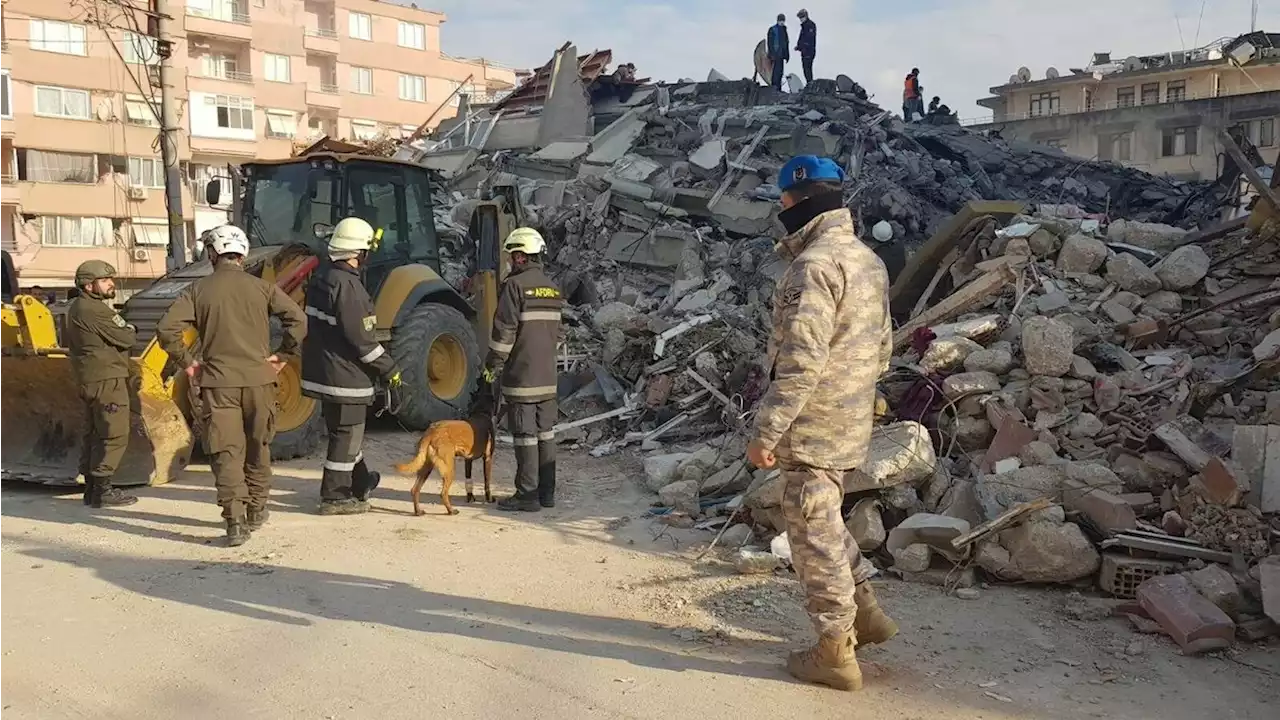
[{"x": 411, "y": 345}]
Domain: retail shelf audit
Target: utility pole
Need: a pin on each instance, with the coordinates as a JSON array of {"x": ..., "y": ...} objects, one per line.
[{"x": 178, "y": 256}]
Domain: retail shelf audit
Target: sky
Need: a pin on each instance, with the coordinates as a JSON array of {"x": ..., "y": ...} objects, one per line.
[{"x": 962, "y": 47}]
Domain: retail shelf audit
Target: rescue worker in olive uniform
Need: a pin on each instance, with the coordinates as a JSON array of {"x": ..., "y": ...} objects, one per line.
[
  {"x": 100, "y": 341},
  {"x": 522, "y": 356},
  {"x": 831, "y": 340},
  {"x": 340, "y": 358},
  {"x": 236, "y": 372}
]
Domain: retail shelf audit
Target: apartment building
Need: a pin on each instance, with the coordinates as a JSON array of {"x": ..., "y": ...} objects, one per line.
[
  {"x": 1158, "y": 112},
  {"x": 82, "y": 173}
]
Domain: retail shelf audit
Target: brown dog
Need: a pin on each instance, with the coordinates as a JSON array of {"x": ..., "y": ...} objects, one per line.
[{"x": 440, "y": 445}]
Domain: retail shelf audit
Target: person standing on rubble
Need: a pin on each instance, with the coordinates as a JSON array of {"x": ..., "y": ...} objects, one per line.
[
  {"x": 340, "y": 358},
  {"x": 912, "y": 103},
  {"x": 778, "y": 48},
  {"x": 99, "y": 341},
  {"x": 807, "y": 44},
  {"x": 522, "y": 357},
  {"x": 831, "y": 340},
  {"x": 230, "y": 310}
]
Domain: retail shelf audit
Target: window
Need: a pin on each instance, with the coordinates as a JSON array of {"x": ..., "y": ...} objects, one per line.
[
  {"x": 1117, "y": 147},
  {"x": 234, "y": 112},
  {"x": 1175, "y": 91},
  {"x": 1266, "y": 132},
  {"x": 149, "y": 232},
  {"x": 6, "y": 109},
  {"x": 58, "y": 37},
  {"x": 1045, "y": 104},
  {"x": 407, "y": 130},
  {"x": 1178, "y": 141},
  {"x": 1124, "y": 97},
  {"x": 202, "y": 174},
  {"x": 55, "y": 167},
  {"x": 360, "y": 26},
  {"x": 275, "y": 67},
  {"x": 223, "y": 67},
  {"x": 138, "y": 112},
  {"x": 364, "y": 129},
  {"x": 413, "y": 87},
  {"x": 361, "y": 80},
  {"x": 1150, "y": 93},
  {"x": 146, "y": 172},
  {"x": 281, "y": 124},
  {"x": 62, "y": 102},
  {"x": 412, "y": 35},
  {"x": 139, "y": 49},
  {"x": 75, "y": 231}
]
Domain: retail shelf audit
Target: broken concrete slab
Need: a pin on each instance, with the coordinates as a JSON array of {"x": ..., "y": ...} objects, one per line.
[
  {"x": 1151, "y": 236},
  {"x": 1269, "y": 581},
  {"x": 866, "y": 525},
  {"x": 946, "y": 354},
  {"x": 935, "y": 531},
  {"x": 1081, "y": 254},
  {"x": 1049, "y": 552},
  {"x": 1218, "y": 587},
  {"x": 661, "y": 249},
  {"x": 1132, "y": 274},
  {"x": 1108, "y": 513},
  {"x": 682, "y": 496},
  {"x": 616, "y": 140},
  {"x": 708, "y": 159},
  {"x": 969, "y": 383},
  {"x": 563, "y": 151},
  {"x": 898, "y": 453},
  {"x": 660, "y": 470},
  {"x": 744, "y": 216},
  {"x": 912, "y": 558},
  {"x": 999, "y": 493},
  {"x": 1047, "y": 346},
  {"x": 1183, "y": 267}
]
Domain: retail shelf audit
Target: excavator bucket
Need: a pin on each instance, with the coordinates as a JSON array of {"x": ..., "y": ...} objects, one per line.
[{"x": 45, "y": 425}]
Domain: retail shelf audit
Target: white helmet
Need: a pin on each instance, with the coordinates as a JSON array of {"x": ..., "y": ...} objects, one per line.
[
  {"x": 525, "y": 240},
  {"x": 882, "y": 231},
  {"x": 352, "y": 234},
  {"x": 226, "y": 239}
]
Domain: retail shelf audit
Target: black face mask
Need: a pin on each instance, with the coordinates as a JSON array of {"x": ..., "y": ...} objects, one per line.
[{"x": 799, "y": 215}]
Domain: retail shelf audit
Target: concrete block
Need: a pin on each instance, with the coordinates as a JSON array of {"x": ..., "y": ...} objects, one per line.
[
  {"x": 1218, "y": 587},
  {"x": 1109, "y": 513},
  {"x": 936, "y": 531},
  {"x": 709, "y": 158},
  {"x": 898, "y": 453},
  {"x": 1193, "y": 622}
]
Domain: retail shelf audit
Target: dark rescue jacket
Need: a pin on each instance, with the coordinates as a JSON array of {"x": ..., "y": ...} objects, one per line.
[
  {"x": 526, "y": 330},
  {"x": 99, "y": 340},
  {"x": 341, "y": 356}
]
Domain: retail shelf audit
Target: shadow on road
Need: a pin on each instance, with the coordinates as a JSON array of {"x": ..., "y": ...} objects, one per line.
[{"x": 301, "y": 597}]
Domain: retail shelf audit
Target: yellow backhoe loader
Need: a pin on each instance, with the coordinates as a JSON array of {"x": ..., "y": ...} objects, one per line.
[{"x": 284, "y": 206}]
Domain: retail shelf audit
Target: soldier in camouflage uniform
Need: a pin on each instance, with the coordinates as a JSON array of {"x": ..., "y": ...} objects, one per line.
[{"x": 831, "y": 340}]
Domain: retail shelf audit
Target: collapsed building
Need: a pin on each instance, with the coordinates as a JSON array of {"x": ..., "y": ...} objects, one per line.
[{"x": 1083, "y": 382}]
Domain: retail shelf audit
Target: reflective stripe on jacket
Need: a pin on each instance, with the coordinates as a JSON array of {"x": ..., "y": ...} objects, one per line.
[
  {"x": 526, "y": 330},
  {"x": 341, "y": 355}
]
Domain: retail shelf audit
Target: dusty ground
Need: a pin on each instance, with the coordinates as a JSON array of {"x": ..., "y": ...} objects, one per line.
[{"x": 590, "y": 610}]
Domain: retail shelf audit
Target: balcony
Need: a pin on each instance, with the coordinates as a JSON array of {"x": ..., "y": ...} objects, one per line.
[
  {"x": 223, "y": 19},
  {"x": 321, "y": 39},
  {"x": 324, "y": 95},
  {"x": 9, "y": 192}
]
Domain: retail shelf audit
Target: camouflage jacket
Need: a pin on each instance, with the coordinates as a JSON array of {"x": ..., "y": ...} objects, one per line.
[{"x": 832, "y": 338}]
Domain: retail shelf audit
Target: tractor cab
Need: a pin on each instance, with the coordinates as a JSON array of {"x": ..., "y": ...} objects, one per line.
[{"x": 297, "y": 200}]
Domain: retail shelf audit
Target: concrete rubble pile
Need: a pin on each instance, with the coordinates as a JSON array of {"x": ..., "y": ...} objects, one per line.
[{"x": 1082, "y": 387}]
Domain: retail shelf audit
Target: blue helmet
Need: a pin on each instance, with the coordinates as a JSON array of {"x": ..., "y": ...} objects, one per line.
[{"x": 808, "y": 168}]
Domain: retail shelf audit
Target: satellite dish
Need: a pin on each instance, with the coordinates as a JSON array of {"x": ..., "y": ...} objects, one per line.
[
  {"x": 105, "y": 110},
  {"x": 1051, "y": 73},
  {"x": 1013, "y": 80},
  {"x": 1024, "y": 74},
  {"x": 1132, "y": 63}
]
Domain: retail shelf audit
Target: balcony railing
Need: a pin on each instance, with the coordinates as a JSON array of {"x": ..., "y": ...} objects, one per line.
[
  {"x": 222, "y": 14},
  {"x": 326, "y": 88},
  {"x": 232, "y": 75},
  {"x": 8, "y": 179},
  {"x": 328, "y": 33}
]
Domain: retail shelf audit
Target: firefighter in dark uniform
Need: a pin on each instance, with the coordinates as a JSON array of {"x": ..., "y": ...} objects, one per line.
[
  {"x": 236, "y": 372},
  {"x": 340, "y": 358},
  {"x": 100, "y": 341},
  {"x": 522, "y": 354}
]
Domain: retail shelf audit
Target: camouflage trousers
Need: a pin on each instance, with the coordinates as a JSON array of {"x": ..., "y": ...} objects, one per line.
[{"x": 822, "y": 550}]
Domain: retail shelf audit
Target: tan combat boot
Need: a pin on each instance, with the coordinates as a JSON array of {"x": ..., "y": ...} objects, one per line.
[
  {"x": 872, "y": 626},
  {"x": 831, "y": 662}
]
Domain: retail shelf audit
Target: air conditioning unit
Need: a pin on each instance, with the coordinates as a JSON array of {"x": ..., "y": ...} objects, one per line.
[
  {"x": 137, "y": 193},
  {"x": 141, "y": 255}
]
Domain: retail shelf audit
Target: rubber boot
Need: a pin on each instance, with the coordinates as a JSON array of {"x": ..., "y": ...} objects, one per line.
[
  {"x": 103, "y": 495},
  {"x": 515, "y": 503},
  {"x": 831, "y": 662},
  {"x": 237, "y": 533},
  {"x": 255, "y": 519},
  {"x": 547, "y": 485},
  {"x": 365, "y": 482},
  {"x": 871, "y": 625},
  {"x": 343, "y": 507}
]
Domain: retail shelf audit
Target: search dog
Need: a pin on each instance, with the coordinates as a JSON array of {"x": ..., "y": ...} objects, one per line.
[{"x": 441, "y": 445}]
